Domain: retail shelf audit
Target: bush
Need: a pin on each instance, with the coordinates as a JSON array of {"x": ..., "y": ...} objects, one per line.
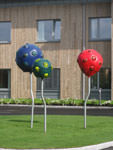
[{"x": 61, "y": 102}]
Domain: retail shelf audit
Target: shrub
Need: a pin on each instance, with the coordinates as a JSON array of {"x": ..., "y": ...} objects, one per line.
[{"x": 63, "y": 102}]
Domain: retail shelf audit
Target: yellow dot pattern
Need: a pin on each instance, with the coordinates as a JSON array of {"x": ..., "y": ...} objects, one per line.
[
  {"x": 37, "y": 60},
  {"x": 37, "y": 69},
  {"x": 45, "y": 64},
  {"x": 45, "y": 75}
]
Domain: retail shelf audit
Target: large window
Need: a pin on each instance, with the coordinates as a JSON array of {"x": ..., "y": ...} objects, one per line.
[
  {"x": 5, "y": 83},
  {"x": 5, "y": 32},
  {"x": 100, "y": 29},
  {"x": 4, "y": 77},
  {"x": 51, "y": 85},
  {"x": 102, "y": 79},
  {"x": 49, "y": 30}
]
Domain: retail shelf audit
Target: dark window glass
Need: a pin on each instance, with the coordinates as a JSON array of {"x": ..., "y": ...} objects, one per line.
[
  {"x": 52, "y": 82},
  {"x": 5, "y": 32},
  {"x": 105, "y": 78},
  {"x": 94, "y": 82},
  {"x": 49, "y": 30},
  {"x": 102, "y": 79},
  {"x": 100, "y": 28},
  {"x": 3, "y": 78}
]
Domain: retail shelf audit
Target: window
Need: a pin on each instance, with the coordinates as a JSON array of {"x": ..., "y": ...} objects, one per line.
[
  {"x": 105, "y": 78},
  {"x": 100, "y": 29},
  {"x": 51, "y": 85},
  {"x": 5, "y": 32},
  {"x": 5, "y": 83},
  {"x": 4, "y": 78},
  {"x": 102, "y": 79},
  {"x": 49, "y": 30}
]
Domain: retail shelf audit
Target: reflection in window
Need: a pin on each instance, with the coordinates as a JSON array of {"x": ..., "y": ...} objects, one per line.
[
  {"x": 5, "y": 32},
  {"x": 94, "y": 82},
  {"x": 100, "y": 28},
  {"x": 52, "y": 82},
  {"x": 102, "y": 79},
  {"x": 3, "y": 78},
  {"x": 105, "y": 78},
  {"x": 49, "y": 30}
]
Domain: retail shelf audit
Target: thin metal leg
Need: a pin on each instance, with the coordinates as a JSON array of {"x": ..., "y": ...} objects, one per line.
[
  {"x": 32, "y": 101},
  {"x": 85, "y": 102},
  {"x": 45, "y": 112}
]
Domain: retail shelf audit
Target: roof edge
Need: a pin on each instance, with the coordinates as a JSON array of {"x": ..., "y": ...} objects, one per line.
[{"x": 16, "y": 3}]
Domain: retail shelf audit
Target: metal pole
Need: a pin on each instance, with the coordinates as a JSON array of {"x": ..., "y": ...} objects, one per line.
[
  {"x": 83, "y": 42},
  {"x": 100, "y": 96},
  {"x": 45, "y": 112},
  {"x": 85, "y": 102},
  {"x": 32, "y": 100}
]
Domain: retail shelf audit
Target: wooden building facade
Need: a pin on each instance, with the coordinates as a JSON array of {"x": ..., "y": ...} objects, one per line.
[{"x": 62, "y": 29}]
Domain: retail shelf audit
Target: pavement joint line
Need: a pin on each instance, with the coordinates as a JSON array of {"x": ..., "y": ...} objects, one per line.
[{"x": 91, "y": 147}]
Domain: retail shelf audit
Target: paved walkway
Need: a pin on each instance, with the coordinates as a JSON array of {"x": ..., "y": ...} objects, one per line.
[
  {"x": 110, "y": 148},
  {"x": 6, "y": 109}
]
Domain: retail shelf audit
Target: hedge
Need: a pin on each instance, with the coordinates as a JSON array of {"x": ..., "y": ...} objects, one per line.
[{"x": 61, "y": 102}]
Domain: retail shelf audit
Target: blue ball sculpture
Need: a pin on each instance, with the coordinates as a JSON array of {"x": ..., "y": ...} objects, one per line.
[
  {"x": 42, "y": 68},
  {"x": 26, "y": 56}
]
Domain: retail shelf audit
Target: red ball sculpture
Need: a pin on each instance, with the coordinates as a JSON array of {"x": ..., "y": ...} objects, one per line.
[{"x": 90, "y": 61}]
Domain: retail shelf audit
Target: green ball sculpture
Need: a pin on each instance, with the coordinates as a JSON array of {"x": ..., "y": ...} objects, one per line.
[{"x": 42, "y": 68}]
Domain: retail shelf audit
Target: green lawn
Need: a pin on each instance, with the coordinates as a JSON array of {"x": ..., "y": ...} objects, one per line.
[{"x": 62, "y": 131}]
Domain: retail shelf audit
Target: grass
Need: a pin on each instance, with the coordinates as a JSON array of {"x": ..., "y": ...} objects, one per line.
[{"x": 62, "y": 131}]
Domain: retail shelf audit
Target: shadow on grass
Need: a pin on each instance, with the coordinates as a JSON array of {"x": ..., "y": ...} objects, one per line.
[{"x": 27, "y": 121}]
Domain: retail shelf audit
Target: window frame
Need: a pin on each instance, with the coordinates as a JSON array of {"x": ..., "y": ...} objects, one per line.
[
  {"x": 90, "y": 39},
  {"x": 53, "y": 31},
  {"x": 7, "y": 41}
]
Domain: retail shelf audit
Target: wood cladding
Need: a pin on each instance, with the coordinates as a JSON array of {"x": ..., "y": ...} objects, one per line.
[
  {"x": 62, "y": 54},
  {"x": 104, "y": 47}
]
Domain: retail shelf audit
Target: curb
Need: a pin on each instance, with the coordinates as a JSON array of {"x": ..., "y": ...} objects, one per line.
[
  {"x": 58, "y": 106},
  {"x": 14, "y": 109}
]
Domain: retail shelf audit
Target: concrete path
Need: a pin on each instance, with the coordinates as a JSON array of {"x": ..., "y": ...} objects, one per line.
[
  {"x": 7, "y": 109},
  {"x": 110, "y": 148}
]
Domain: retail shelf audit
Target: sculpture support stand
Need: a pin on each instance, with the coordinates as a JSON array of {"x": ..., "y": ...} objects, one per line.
[
  {"x": 32, "y": 100},
  {"x": 85, "y": 102},
  {"x": 45, "y": 112}
]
